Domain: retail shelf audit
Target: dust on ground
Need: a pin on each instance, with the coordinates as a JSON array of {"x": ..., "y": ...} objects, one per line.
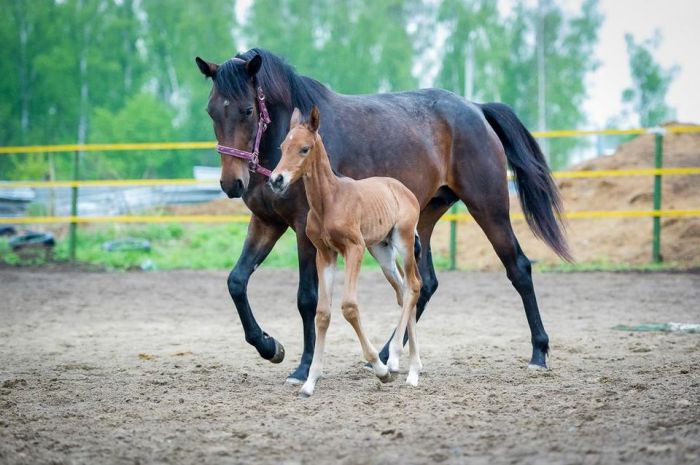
[{"x": 153, "y": 368}]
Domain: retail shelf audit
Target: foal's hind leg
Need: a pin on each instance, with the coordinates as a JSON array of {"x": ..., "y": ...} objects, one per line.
[
  {"x": 403, "y": 240},
  {"x": 353, "y": 259},
  {"x": 386, "y": 257}
]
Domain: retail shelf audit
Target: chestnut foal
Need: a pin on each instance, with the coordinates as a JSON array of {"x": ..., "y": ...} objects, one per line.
[{"x": 346, "y": 216}]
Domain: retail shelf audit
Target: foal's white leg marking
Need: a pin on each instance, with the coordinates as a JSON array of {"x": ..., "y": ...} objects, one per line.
[
  {"x": 386, "y": 257},
  {"x": 415, "y": 365},
  {"x": 325, "y": 286},
  {"x": 396, "y": 345}
]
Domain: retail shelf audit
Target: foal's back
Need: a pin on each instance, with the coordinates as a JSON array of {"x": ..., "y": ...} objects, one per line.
[{"x": 380, "y": 205}]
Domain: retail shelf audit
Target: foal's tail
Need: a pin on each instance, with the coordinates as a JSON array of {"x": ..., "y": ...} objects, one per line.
[
  {"x": 539, "y": 196},
  {"x": 416, "y": 246}
]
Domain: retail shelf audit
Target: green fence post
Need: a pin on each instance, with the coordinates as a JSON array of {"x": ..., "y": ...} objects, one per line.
[
  {"x": 73, "y": 239},
  {"x": 658, "y": 164},
  {"x": 453, "y": 239}
]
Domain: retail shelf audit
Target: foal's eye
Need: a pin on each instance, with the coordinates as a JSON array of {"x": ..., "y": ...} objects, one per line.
[{"x": 304, "y": 150}]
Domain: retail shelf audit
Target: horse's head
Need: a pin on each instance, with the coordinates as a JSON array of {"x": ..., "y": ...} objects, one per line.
[
  {"x": 232, "y": 107},
  {"x": 298, "y": 149}
]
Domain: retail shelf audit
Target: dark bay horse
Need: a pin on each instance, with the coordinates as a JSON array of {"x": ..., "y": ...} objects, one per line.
[{"x": 442, "y": 147}]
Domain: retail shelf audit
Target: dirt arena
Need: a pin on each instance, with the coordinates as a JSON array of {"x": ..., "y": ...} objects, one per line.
[{"x": 153, "y": 368}]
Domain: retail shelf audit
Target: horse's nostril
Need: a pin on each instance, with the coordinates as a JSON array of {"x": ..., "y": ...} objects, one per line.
[
  {"x": 239, "y": 184},
  {"x": 279, "y": 179}
]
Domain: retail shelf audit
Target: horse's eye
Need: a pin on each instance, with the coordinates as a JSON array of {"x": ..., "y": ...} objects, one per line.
[
  {"x": 247, "y": 112},
  {"x": 304, "y": 150}
]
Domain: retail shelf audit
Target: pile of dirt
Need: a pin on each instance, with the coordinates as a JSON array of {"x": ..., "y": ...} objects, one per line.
[{"x": 616, "y": 240}]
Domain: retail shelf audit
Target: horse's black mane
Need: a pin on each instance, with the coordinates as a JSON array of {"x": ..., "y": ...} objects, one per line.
[{"x": 278, "y": 79}]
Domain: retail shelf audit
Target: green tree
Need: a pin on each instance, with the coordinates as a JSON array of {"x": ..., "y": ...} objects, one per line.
[
  {"x": 505, "y": 61},
  {"x": 650, "y": 82},
  {"x": 477, "y": 26},
  {"x": 354, "y": 47}
]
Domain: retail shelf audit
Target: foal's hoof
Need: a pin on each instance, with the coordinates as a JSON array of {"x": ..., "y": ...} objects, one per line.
[
  {"x": 412, "y": 379},
  {"x": 279, "y": 353},
  {"x": 387, "y": 378},
  {"x": 304, "y": 395}
]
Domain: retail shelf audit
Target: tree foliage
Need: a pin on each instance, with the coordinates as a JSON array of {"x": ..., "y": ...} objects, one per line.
[
  {"x": 123, "y": 71},
  {"x": 650, "y": 82}
]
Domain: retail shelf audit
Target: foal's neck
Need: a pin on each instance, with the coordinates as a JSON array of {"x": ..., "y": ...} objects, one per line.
[{"x": 319, "y": 180}]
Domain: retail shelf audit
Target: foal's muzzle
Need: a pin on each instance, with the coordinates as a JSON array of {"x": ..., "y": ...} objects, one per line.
[{"x": 277, "y": 183}]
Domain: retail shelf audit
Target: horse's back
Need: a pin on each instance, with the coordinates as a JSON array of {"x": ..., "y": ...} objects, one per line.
[{"x": 404, "y": 135}]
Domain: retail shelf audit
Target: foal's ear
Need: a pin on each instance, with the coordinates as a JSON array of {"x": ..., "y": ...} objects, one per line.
[
  {"x": 314, "y": 119},
  {"x": 207, "y": 69},
  {"x": 296, "y": 118},
  {"x": 253, "y": 65}
]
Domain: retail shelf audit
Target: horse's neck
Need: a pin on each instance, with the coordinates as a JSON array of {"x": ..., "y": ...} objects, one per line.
[{"x": 320, "y": 182}]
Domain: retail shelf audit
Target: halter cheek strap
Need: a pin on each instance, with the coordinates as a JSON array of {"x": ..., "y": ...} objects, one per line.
[{"x": 263, "y": 121}]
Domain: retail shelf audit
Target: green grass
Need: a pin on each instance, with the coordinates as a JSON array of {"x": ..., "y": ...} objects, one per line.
[
  {"x": 218, "y": 246},
  {"x": 173, "y": 246}
]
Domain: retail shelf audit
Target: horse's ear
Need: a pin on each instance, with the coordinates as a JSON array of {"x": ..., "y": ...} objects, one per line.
[
  {"x": 296, "y": 118},
  {"x": 314, "y": 119},
  {"x": 252, "y": 66},
  {"x": 207, "y": 69}
]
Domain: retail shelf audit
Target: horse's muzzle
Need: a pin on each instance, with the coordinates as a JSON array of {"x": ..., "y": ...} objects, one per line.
[{"x": 233, "y": 190}]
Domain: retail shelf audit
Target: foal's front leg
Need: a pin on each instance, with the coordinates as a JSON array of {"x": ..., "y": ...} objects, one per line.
[
  {"x": 351, "y": 312},
  {"x": 325, "y": 266}
]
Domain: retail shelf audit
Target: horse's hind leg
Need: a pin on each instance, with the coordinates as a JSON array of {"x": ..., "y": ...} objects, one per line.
[
  {"x": 488, "y": 202},
  {"x": 519, "y": 271},
  {"x": 351, "y": 312}
]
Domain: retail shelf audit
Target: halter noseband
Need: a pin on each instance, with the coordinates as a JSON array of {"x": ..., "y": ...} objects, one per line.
[{"x": 263, "y": 121}]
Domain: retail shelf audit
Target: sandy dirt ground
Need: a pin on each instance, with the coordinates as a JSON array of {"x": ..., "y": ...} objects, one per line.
[{"x": 133, "y": 368}]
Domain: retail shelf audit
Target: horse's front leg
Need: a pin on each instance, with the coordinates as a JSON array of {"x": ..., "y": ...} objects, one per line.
[
  {"x": 307, "y": 300},
  {"x": 259, "y": 242}
]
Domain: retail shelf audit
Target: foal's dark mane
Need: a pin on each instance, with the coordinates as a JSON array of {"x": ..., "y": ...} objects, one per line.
[{"x": 279, "y": 80}]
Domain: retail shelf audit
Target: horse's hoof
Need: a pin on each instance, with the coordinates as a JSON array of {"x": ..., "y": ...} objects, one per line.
[
  {"x": 535, "y": 367},
  {"x": 388, "y": 377},
  {"x": 294, "y": 381},
  {"x": 303, "y": 395},
  {"x": 279, "y": 353}
]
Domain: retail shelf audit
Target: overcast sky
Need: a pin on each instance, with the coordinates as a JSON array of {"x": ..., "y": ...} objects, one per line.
[{"x": 679, "y": 23}]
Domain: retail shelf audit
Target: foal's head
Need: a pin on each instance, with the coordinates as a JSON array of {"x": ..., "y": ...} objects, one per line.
[{"x": 299, "y": 148}]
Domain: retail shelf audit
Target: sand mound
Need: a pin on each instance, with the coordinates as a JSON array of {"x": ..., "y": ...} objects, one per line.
[{"x": 619, "y": 240}]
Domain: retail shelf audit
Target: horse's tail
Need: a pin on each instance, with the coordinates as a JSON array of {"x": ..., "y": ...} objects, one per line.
[{"x": 539, "y": 196}]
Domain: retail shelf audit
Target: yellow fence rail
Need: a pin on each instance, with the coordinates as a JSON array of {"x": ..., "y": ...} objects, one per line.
[
  {"x": 657, "y": 172},
  {"x": 459, "y": 217},
  {"x": 200, "y": 182},
  {"x": 17, "y": 149}
]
